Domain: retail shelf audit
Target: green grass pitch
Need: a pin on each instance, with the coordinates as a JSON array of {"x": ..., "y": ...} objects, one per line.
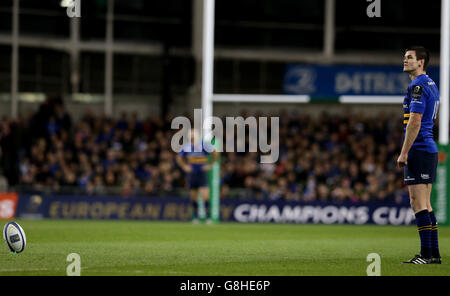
[{"x": 133, "y": 248}]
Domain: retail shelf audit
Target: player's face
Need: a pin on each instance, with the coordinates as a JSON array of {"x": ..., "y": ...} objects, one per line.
[{"x": 410, "y": 62}]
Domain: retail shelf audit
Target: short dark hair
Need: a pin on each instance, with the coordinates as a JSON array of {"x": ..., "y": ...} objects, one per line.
[{"x": 421, "y": 54}]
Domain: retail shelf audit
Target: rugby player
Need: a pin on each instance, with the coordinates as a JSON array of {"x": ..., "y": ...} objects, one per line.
[
  {"x": 196, "y": 165},
  {"x": 419, "y": 154}
]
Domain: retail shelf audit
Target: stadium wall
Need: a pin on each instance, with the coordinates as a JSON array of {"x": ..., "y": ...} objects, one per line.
[
  {"x": 312, "y": 109},
  {"x": 178, "y": 209},
  {"x": 145, "y": 108}
]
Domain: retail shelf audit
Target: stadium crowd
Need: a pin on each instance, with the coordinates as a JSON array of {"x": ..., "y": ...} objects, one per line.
[{"x": 350, "y": 157}]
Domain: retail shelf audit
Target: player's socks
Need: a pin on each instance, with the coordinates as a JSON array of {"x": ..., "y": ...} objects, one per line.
[
  {"x": 194, "y": 210},
  {"x": 434, "y": 237},
  {"x": 423, "y": 222}
]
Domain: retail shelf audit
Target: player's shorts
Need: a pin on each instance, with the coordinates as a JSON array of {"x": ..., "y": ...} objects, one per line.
[
  {"x": 197, "y": 179},
  {"x": 421, "y": 167}
]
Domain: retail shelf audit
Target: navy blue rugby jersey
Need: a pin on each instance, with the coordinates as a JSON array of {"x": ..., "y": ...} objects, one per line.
[
  {"x": 197, "y": 155},
  {"x": 422, "y": 97}
]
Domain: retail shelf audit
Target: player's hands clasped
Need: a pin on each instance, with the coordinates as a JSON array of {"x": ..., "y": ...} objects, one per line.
[
  {"x": 206, "y": 168},
  {"x": 187, "y": 168}
]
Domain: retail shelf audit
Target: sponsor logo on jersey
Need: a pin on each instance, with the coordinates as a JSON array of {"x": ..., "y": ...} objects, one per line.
[{"x": 417, "y": 92}]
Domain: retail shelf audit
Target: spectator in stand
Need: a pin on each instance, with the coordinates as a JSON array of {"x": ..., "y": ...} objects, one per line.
[{"x": 326, "y": 158}]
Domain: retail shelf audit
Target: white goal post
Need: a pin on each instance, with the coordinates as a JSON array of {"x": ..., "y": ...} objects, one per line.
[
  {"x": 445, "y": 72},
  {"x": 209, "y": 97}
]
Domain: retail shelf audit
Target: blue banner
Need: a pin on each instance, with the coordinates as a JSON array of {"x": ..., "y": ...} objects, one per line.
[
  {"x": 178, "y": 209},
  {"x": 335, "y": 81}
]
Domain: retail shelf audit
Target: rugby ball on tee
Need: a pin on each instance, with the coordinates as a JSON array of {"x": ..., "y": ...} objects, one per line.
[{"x": 14, "y": 237}]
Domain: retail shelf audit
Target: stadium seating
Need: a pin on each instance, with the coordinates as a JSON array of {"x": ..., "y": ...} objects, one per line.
[{"x": 350, "y": 157}]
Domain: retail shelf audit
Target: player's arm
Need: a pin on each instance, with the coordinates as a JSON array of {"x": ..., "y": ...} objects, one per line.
[
  {"x": 412, "y": 130},
  {"x": 183, "y": 164},
  {"x": 215, "y": 157}
]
